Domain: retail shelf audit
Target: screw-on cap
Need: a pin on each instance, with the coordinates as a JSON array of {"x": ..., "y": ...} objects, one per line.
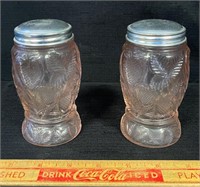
[
  {"x": 156, "y": 32},
  {"x": 43, "y": 32}
]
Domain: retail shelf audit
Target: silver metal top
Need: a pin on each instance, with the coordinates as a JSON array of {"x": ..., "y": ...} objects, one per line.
[
  {"x": 156, "y": 32},
  {"x": 43, "y": 32}
]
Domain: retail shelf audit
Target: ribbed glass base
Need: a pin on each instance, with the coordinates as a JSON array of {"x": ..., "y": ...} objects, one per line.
[
  {"x": 152, "y": 134},
  {"x": 53, "y": 134}
]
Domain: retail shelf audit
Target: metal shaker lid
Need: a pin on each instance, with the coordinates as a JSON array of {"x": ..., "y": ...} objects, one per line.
[
  {"x": 156, "y": 32},
  {"x": 43, "y": 32}
]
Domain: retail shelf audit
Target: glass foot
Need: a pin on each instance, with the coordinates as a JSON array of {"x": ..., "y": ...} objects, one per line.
[
  {"x": 54, "y": 134},
  {"x": 152, "y": 134}
]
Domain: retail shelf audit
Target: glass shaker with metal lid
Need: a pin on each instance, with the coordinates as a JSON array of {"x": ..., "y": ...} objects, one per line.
[
  {"x": 154, "y": 73},
  {"x": 46, "y": 70}
]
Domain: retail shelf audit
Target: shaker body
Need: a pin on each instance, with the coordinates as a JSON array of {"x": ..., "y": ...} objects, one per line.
[{"x": 153, "y": 81}]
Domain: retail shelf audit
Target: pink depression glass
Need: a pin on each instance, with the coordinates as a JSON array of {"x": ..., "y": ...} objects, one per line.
[
  {"x": 47, "y": 71},
  {"x": 154, "y": 73}
]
